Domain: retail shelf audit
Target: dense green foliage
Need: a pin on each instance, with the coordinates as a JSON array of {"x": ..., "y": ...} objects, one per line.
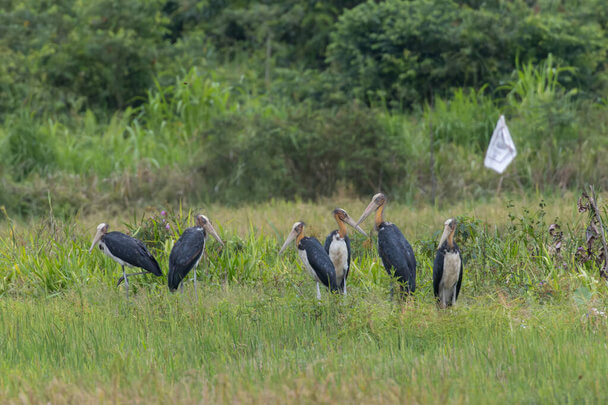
[
  {"x": 160, "y": 101},
  {"x": 409, "y": 51},
  {"x": 72, "y": 54}
]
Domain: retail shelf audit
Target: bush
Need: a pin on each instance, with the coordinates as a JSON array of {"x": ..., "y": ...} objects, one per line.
[
  {"x": 98, "y": 54},
  {"x": 408, "y": 51},
  {"x": 305, "y": 154},
  {"x": 467, "y": 119},
  {"x": 27, "y": 147},
  {"x": 395, "y": 50},
  {"x": 537, "y": 98},
  {"x": 298, "y": 31}
]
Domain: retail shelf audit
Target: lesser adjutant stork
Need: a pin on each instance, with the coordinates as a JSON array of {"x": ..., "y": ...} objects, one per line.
[
  {"x": 188, "y": 250},
  {"x": 447, "y": 268},
  {"x": 337, "y": 246},
  {"x": 395, "y": 251},
  {"x": 126, "y": 251},
  {"x": 313, "y": 257}
]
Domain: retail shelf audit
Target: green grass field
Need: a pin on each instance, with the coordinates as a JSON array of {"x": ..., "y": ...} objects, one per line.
[{"x": 530, "y": 326}]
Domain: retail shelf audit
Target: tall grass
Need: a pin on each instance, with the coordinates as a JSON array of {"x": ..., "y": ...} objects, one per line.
[
  {"x": 467, "y": 118},
  {"x": 243, "y": 344},
  {"x": 530, "y": 324},
  {"x": 508, "y": 246}
]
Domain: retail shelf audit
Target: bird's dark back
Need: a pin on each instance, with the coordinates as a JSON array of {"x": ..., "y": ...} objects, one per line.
[
  {"x": 185, "y": 254},
  {"x": 319, "y": 261},
  {"x": 397, "y": 254},
  {"x": 132, "y": 251}
]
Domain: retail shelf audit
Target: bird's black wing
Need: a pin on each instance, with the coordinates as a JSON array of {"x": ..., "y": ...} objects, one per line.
[
  {"x": 438, "y": 269},
  {"x": 347, "y": 241},
  {"x": 131, "y": 251},
  {"x": 319, "y": 261},
  {"x": 411, "y": 257},
  {"x": 397, "y": 255},
  {"x": 148, "y": 260},
  {"x": 461, "y": 271},
  {"x": 185, "y": 254}
]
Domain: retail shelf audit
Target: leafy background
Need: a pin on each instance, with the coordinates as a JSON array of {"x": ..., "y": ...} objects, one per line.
[{"x": 242, "y": 101}]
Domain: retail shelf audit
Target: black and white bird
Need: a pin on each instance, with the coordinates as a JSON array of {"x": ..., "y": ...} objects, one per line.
[
  {"x": 314, "y": 258},
  {"x": 395, "y": 251},
  {"x": 188, "y": 250},
  {"x": 126, "y": 251},
  {"x": 337, "y": 246},
  {"x": 447, "y": 268}
]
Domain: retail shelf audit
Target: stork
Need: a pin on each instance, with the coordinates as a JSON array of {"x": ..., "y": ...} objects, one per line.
[
  {"x": 447, "y": 268},
  {"x": 337, "y": 246},
  {"x": 126, "y": 251},
  {"x": 315, "y": 259},
  {"x": 395, "y": 251},
  {"x": 188, "y": 250}
]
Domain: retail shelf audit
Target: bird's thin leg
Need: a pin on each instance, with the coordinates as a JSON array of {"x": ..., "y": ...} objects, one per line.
[
  {"x": 195, "y": 290},
  {"x": 318, "y": 291},
  {"x": 344, "y": 284},
  {"x": 181, "y": 287},
  {"x": 454, "y": 296},
  {"x": 121, "y": 279},
  {"x": 124, "y": 274}
]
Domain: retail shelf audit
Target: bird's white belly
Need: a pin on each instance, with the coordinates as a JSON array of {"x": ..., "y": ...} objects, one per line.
[
  {"x": 307, "y": 266},
  {"x": 338, "y": 253},
  {"x": 202, "y": 252},
  {"x": 451, "y": 273},
  {"x": 107, "y": 252}
]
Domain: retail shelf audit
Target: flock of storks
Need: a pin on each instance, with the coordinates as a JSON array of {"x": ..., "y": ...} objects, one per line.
[{"x": 328, "y": 265}]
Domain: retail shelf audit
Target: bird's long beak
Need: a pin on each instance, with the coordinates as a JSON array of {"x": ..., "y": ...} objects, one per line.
[
  {"x": 96, "y": 239},
  {"x": 290, "y": 238},
  {"x": 370, "y": 208},
  {"x": 352, "y": 223},
  {"x": 209, "y": 228}
]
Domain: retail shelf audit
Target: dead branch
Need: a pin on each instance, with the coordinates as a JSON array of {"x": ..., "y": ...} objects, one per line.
[{"x": 592, "y": 200}]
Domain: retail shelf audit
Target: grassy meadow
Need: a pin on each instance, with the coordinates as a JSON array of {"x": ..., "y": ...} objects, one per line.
[
  {"x": 258, "y": 114},
  {"x": 530, "y": 326}
]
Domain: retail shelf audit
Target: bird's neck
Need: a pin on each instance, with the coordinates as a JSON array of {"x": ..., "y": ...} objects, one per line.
[
  {"x": 341, "y": 228},
  {"x": 447, "y": 236},
  {"x": 451, "y": 240},
  {"x": 379, "y": 216},
  {"x": 299, "y": 238}
]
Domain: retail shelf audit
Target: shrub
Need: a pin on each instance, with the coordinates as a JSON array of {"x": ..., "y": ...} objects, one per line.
[
  {"x": 306, "y": 154},
  {"x": 467, "y": 119},
  {"x": 27, "y": 147},
  {"x": 96, "y": 54},
  {"x": 408, "y": 51},
  {"x": 543, "y": 105},
  {"x": 395, "y": 50}
]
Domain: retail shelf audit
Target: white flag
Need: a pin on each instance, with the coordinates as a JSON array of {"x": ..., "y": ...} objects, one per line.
[{"x": 502, "y": 149}]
